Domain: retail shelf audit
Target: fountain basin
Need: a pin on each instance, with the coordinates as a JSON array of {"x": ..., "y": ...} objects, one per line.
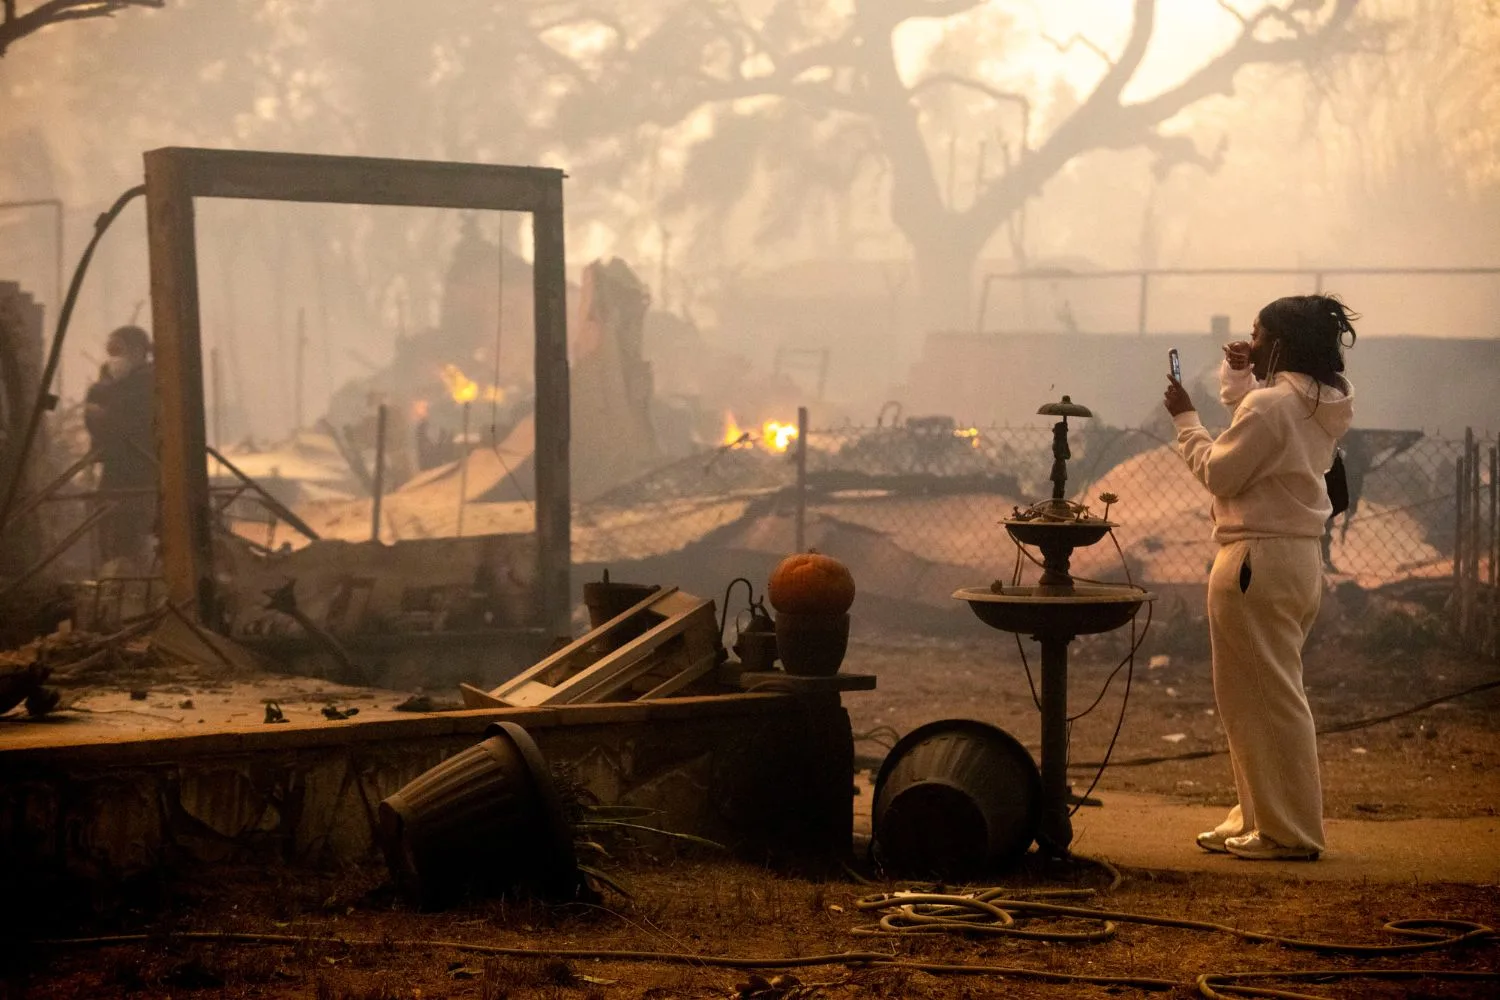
[
  {"x": 1051, "y": 534},
  {"x": 1083, "y": 609}
]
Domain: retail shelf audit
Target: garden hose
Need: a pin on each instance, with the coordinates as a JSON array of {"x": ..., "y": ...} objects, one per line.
[
  {"x": 990, "y": 911},
  {"x": 850, "y": 958},
  {"x": 1225, "y": 980},
  {"x": 986, "y": 911}
]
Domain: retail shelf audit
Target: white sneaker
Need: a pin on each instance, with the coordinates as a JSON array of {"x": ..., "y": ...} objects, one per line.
[
  {"x": 1213, "y": 842},
  {"x": 1254, "y": 847}
]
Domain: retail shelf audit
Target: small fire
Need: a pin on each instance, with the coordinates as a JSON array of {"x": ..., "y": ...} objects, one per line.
[
  {"x": 465, "y": 390},
  {"x": 777, "y": 436},
  {"x": 774, "y": 435},
  {"x": 462, "y": 388},
  {"x": 733, "y": 434},
  {"x": 969, "y": 433},
  {"x": 419, "y": 410}
]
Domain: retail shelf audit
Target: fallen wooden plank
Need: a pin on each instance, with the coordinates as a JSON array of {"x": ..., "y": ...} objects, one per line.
[{"x": 577, "y": 655}]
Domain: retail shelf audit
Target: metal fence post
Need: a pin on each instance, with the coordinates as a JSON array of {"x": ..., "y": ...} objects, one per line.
[
  {"x": 1471, "y": 624},
  {"x": 801, "y": 479},
  {"x": 1476, "y": 553},
  {"x": 1141, "y": 314},
  {"x": 1494, "y": 553},
  {"x": 379, "y": 484},
  {"x": 1460, "y": 478}
]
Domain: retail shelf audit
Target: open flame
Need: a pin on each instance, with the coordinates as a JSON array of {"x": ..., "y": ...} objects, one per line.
[
  {"x": 777, "y": 436},
  {"x": 462, "y": 388},
  {"x": 971, "y": 434},
  {"x": 734, "y": 435},
  {"x": 774, "y": 435},
  {"x": 465, "y": 390}
]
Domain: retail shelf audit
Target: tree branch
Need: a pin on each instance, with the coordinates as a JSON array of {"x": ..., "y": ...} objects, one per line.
[
  {"x": 1078, "y": 39},
  {"x": 1174, "y": 151},
  {"x": 1123, "y": 69},
  {"x": 1217, "y": 76},
  {"x": 17, "y": 26},
  {"x": 885, "y": 16},
  {"x": 979, "y": 86},
  {"x": 1102, "y": 122}
]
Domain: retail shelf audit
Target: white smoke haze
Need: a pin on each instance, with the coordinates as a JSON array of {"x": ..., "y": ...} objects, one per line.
[{"x": 774, "y": 184}]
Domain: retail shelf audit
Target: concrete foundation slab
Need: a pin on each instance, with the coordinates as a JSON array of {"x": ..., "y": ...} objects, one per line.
[{"x": 768, "y": 775}]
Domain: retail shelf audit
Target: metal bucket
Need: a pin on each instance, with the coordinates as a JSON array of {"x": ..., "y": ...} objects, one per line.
[
  {"x": 955, "y": 798},
  {"x": 606, "y": 600},
  {"x": 485, "y": 821}
]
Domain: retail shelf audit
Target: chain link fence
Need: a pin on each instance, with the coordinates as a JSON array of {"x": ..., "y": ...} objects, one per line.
[
  {"x": 918, "y": 504},
  {"x": 937, "y": 490}
]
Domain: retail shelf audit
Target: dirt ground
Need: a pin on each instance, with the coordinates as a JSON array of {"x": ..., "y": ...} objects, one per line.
[
  {"x": 1441, "y": 762},
  {"x": 716, "y": 909}
]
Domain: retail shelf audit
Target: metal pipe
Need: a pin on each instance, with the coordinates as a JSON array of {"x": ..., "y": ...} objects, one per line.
[
  {"x": 284, "y": 600},
  {"x": 44, "y": 399},
  {"x": 217, "y": 384},
  {"x": 1063, "y": 274},
  {"x": 277, "y": 507},
  {"x": 1494, "y": 553},
  {"x": 47, "y": 492},
  {"x": 463, "y": 472},
  {"x": 1476, "y": 504},
  {"x": 58, "y": 549},
  {"x": 378, "y": 487},
  {"x": 1461, "y": 479},
  {"x": 1055, "y": 832},
  {"x": 298, "y": 366},
  {"x": 801, "y": 530}
]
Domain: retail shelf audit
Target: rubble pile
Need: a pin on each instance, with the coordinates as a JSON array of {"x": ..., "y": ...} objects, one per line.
[{"x": 48, "y": 674}]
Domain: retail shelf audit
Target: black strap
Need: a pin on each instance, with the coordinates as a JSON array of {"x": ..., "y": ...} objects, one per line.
[{"x": 1338, "y": 483}]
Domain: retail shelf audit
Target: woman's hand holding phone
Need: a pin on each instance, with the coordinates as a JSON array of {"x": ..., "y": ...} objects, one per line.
[{"x": 1176, "y": 398}]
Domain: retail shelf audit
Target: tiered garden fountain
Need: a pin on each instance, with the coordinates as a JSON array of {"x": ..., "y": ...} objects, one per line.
[{"x": 957, "y": 776}]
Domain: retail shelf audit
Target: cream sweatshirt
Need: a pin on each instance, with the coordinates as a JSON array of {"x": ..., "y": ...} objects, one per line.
[{"x": 1266, "y": 471}]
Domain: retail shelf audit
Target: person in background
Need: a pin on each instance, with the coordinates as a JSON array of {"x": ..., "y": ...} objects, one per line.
[
  {"x": 120, "y": 414},
  {"x": 1270, "y": 506}
]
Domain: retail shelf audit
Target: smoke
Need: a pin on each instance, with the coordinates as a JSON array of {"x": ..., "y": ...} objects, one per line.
[{"x": 723, "y": 196}]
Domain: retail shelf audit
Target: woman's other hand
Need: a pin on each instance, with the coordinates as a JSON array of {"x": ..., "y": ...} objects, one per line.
[
  {"x": 1176, "y": 398},
  {"x": 1237, "y": 353}
]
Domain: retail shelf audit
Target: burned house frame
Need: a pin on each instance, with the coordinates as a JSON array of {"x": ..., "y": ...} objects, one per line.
[{"x": 177, "y": 176}]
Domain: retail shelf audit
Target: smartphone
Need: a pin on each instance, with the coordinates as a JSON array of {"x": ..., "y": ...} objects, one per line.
[{"x": 1176, "y": 365}]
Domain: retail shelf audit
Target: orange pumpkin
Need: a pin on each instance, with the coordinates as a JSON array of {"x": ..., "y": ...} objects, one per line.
[{"x": 810, "y": 583}]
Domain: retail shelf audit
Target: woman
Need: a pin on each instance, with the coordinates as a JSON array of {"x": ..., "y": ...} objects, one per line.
[{"x": 1270, "y": 505}]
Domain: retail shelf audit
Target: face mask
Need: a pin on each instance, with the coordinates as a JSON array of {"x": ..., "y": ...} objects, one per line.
[{"x": 119, "y": 366}]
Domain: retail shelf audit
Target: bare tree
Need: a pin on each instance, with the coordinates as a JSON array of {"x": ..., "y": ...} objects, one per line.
[
  {"x": 17, "y": 24},
  {"x": 710, "y": 53}
]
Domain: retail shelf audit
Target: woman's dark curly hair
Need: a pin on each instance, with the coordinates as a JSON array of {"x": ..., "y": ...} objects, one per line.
[{"x": 1310, "y": 331}]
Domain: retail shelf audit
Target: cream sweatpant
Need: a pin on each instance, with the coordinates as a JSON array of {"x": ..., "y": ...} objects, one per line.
[{"x": 1263, "y": 596}]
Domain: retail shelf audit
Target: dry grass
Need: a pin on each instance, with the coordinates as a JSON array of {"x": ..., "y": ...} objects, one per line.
[{"x": 726, "y": 909}]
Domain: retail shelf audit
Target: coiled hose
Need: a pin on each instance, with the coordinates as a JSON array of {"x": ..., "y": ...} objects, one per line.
[{"x": 993, "y": 911}]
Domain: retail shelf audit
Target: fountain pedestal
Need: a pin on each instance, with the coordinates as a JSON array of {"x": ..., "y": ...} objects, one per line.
[
  {"x": 1054, "y": 620},
  {"x": 1054, "y": 612}
]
